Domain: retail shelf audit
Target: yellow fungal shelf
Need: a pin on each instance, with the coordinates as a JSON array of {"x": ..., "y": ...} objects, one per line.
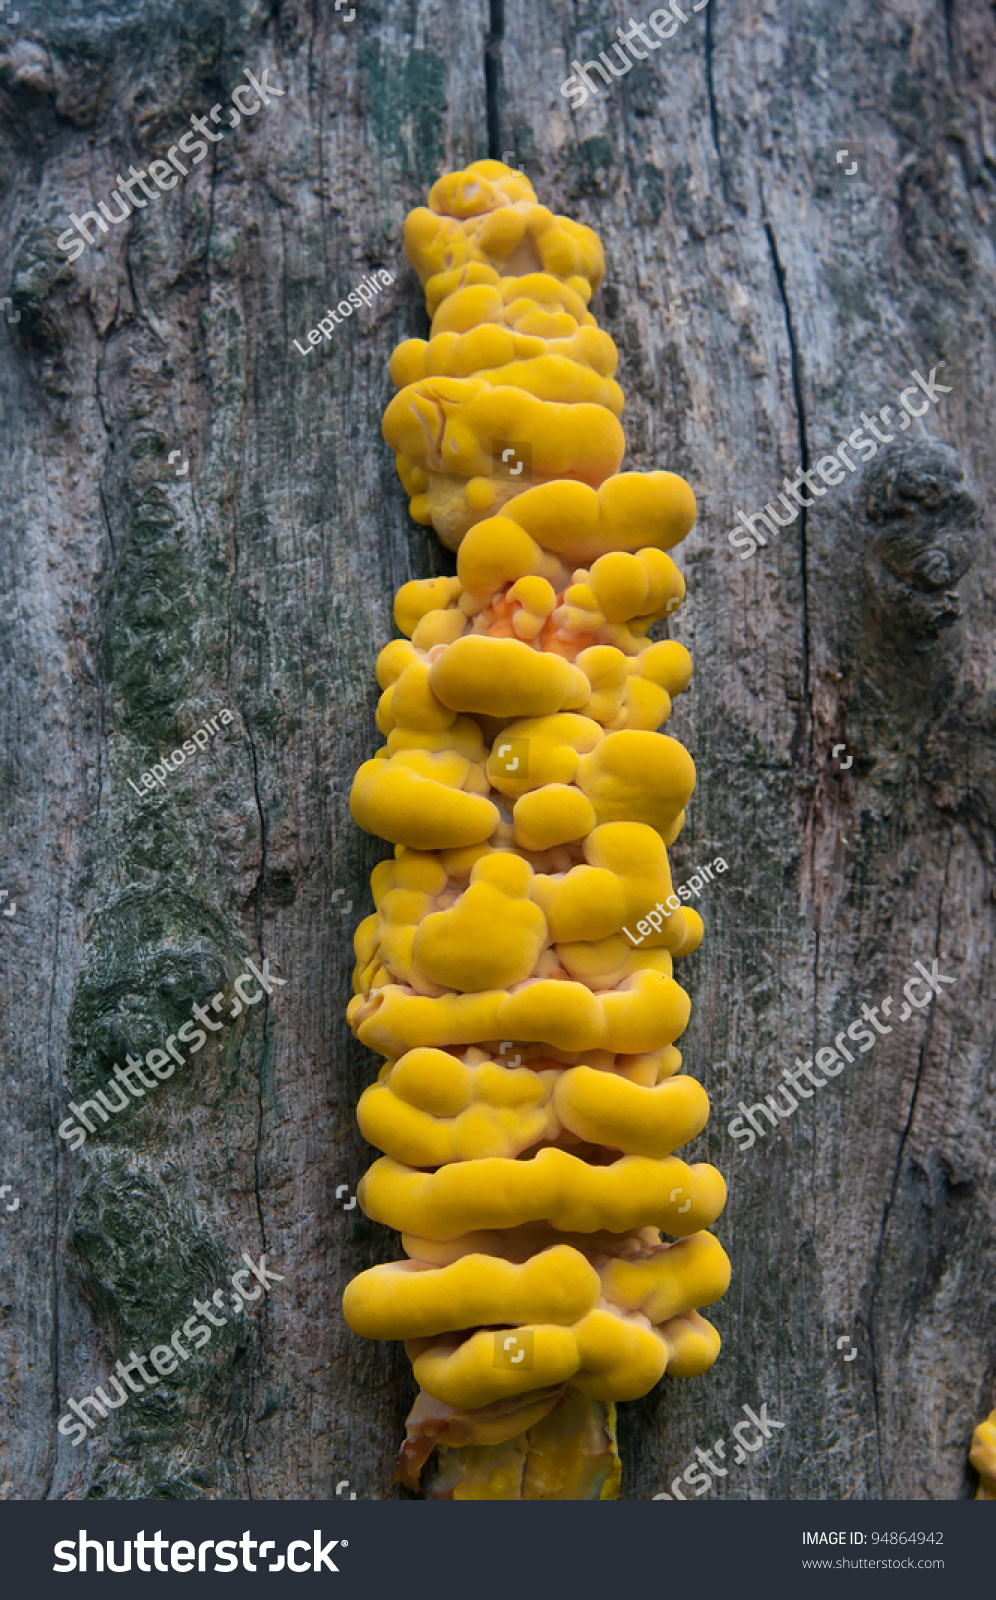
[
  {"x": 531, "y": 1099},
  {"x": 983, "y": 1457}
]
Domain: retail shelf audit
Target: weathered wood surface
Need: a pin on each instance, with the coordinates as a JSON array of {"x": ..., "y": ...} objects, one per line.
[{"x": 137, "y": 603}]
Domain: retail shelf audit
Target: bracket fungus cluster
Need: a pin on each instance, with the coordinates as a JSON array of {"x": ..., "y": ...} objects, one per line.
[{"x": 531, "y": 1096}]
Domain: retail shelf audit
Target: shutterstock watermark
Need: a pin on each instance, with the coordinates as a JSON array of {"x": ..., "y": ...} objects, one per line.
[
  {"x": 512, "y": 755},
  {"x": 185, "y": 1554},
  {"x": 746, "y": 539},
  {"x": 165, "y": 1358},
  {"x": 159, "y": 1061},
  {"x": 665, "y": 24},
  {"x": 703, "y": 1481},
  {"x": 829, "y": 1060},
  {"x": 164, "y": 173},
  {"x": 514, "y": 1349}
]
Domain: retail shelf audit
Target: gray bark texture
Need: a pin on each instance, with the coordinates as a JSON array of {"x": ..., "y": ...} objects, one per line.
[{"x": 761, "y": 299}]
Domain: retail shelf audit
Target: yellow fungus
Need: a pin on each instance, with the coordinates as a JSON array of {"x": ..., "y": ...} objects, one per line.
[
  {"x": 983, "y": 1457},
  {"x": 516, "y": 974},
  {"x": 555, "y": 814},
  {"x": 505, "y": 678},
  {"x": 554, "y": 1187},
  {"x": 403, "y": 1301}
]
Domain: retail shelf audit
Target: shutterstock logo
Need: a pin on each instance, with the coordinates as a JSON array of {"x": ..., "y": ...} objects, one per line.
[
  {"x": 182, "y": 1553},
  {"x": 514, "y": 1349},
  {"x": 512, "y": 755}
]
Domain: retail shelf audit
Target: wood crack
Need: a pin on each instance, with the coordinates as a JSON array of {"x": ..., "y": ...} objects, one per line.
[
  {"x": 800, "y": 410},
  {"x": 493, "y": 76},
  {"x": 711, "y": 91}
]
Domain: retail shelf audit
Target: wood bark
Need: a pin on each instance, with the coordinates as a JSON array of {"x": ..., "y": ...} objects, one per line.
[{"x": 761, "y": 300}]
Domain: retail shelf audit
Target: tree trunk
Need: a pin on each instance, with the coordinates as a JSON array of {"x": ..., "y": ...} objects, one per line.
[{"x": 840, "y": 717}]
